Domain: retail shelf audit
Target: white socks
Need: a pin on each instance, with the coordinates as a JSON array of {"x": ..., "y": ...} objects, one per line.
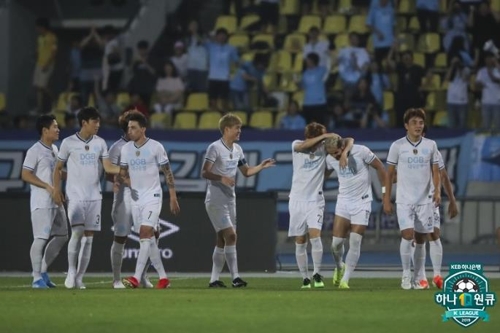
[
  {"x": 74, "y": 248},
  {"x": 436, "y": 254},
  {"x": 301, "y": 257},
  {"x": 142, "y": 258},
  {"x": 84, "y": 257},
  {"x": 352, "y": 257},
  {"x": 232, "y": 260},
  {"x": 419, "y": 262},
  {"x": 116, "y": 259},
  {"x": 338, "y": 250},
  {"x": 316, "y": 253},
  {"x": 219, "y": 260},
  {"x": 36, "y": 255},
  {"x": 52, "y": 251},
  {"x": 155, "y": 257},
  {"x": 405, "y": 249}
]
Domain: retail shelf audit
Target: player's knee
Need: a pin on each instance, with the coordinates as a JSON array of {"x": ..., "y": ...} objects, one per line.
[
  {"x": 407, "y": 234},
  {"x": 230, "y": 238},
  {"x": 300, "y": 239},
  {"x": 77, "y": 231}
]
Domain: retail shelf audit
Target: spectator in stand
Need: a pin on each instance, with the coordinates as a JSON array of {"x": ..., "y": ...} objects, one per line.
[
  {"x": 70, "y": 122},
  {"x": 379, "y": 81},
  {"x": 107, "y": 106},
  {"x": 484, "y": 25},
  {"x": 75, "y": 67},
  {"x": 143, "y": 80},
  {"x": 180, "y": 60},
  {"x": 363, "y": 107},
  {"x": 197, "y": 60},
  {"x": 408, "y": 94},
  {"x": 455, "y": 25},
  {"x": 113, "y": 63},
  {"x": 221, "y": 55},
  {"x": 293, "y": 120},
  {"x": 269, "y": 12},
  {"x": 488, "y": 81},
  {"x": 381, "y": 21},
  {"x": 428, "y": 15},
  {"x": 249, "y": 72},
  {"x": 313, "y": 84},
  {"x": 320, "y": 47},
  {"x": 137, "y": 102},
  {"x": 74, "y": 105},
  {"x": 45, "y": 61},
  {"x": 324, "y": 7},
  {"x": 91, "y": 48},
  {"x": 457, "y": 99},
  {"x": 170, "y": 90}
]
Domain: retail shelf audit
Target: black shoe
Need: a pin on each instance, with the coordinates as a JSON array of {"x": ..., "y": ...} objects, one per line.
[
  {"x": 306, "y": 284},
  {"x": 217, "y": 284},
  {"x": 238, "y": 283},
  {"x": 318, "y": 281}
]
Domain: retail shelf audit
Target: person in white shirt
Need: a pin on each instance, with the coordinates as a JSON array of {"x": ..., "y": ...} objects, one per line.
[
  {"x": 417, "y": 161},
  {"x": 457, "y": 94},
  {"x": 320, "y": 47},
  {"x": 82, "y": 153},
  {"x": 354, "y": 203},
  {"x": 48, "y": 219},
  {"x": 307, "y": 203},
  {"x": 222, "y": 160},
  {"x": 488, "y": 80},
  {"x": 141, "y": 160}
]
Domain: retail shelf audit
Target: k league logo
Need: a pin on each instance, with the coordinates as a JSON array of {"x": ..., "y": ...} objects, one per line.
[{"x": 465, "y": 295}]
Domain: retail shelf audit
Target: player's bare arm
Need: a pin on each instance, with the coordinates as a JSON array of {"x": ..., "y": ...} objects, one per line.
[
  {"x": 206, "y": 172},
  {"x": 169, "y": 178},
  {"x": 123, "y": 177},
  {"x": 309, "y": 143},
  {"x": 381, "y": 172},
  {"x": 391, "y": 170},
  {"x": 109, "y": 167},
  {"x": 436, "y": 180},
  {"x": 56, "y": 193},
  {"x": 347, "y": 143},
  {"x": 448, "y": 189},
  {"x": 29, "y": 177},
  {"x": 249, "y": 171}
]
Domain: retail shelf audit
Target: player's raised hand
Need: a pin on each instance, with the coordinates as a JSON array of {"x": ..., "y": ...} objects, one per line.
[
  {"x": 174, "y": 206},
  {"x": 452, "y": 209},
  {"x": 267, "y": 163},
  {"x": 228, "y": 181}
]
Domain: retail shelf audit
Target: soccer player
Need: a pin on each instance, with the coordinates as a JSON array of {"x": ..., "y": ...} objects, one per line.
[
  {"x": 306, "y": 204},
  {"x": 417, "y": 160},
  {"x": 354, "y": 203},
  {"x": 82, "y": 152},
  {"x": 48, "y": 219},
  {"x": 141, "y": 159},
  {"x": 222, "y": 159}
]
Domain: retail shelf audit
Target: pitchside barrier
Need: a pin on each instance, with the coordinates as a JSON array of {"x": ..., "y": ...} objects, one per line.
[{"x": 186, "y": 241}]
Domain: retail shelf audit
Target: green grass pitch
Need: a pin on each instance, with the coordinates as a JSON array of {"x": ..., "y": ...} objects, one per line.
[{"x": 266, "y": 305}]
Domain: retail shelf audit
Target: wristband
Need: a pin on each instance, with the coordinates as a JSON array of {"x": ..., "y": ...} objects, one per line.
[{"x": 383, "y": 189}]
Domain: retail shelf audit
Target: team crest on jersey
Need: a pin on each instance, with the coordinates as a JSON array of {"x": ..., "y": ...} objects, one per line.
[
  {"x": 137, "y": 153},
  {"x": 415, "y": 151},
  {"x": 87, "y": 147}
]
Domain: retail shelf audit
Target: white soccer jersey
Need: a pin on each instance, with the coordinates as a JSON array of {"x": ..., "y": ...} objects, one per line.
[
  {"x": 114, "y": 156},
  {"x": 308, "y": 174},
  {"x": 41, "y": 160},
  {"x": 441, "y": 167},
  {"x": 225, "y": 163},
  {"x": 413, "y": 161},
  {"x": 84, "y": 166},
  {"x": 355, "y": 186},
  {"x": 144, "y": 170}
]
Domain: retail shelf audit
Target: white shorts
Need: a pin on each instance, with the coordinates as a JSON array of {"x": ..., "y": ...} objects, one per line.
[
  {"x": 356, "y": 213},
  {"x": 437, "y": 218},
  {"x": 86, "y": 213},
  {"x": 49, "y": 222},
  {"x": 222, "y": 216},
  {"x": 305, "y": 215},
  {"x": 121, "y": 214},
  {"x": 417, "y": 217},
  {"x": 147, "y": 215}
]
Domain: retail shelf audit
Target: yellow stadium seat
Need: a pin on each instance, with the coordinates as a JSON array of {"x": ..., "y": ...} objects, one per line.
[
  {"x": 298, "y": 63},
  {"x": 261, "y": 119},
  {"x": 248, "y": 20},
  {"x": 443, "y": 6},
  {"x": 2, "y": 101},
  {"x": 283, "y": 61},
  {"x": 160, "y": 120},
  {"x": 247, "y": 56},
  {"x": 388, "y": 100},
  {"x": 344, "y": 5},
  {"x": 294, "y": 42},
  {"x": 440, "y": 119},
  {"x": 268, "y": 38},
  {"x": 357, "y": 23},
  {"x": 406, "y": 7},
  {"x": 419, "y": 59},
  {"x": 60, "y": 118},
  {"x": 309, "y": 21},
  {"x": 227, "y": 22},
  {"x": 197, "y": 102},
  {"x": 209, "y": 120},
  {"x": 298, "y": 97},
  {"x": 429, "y": 42},
  {"x": 414, "y": 24},
  {"x": 270, "y": 81},
  {"x": 239, "y": 41},
  {"x": 441, "y": 61},
  {"x": 185, "y": 120},
  {"x": 401, "y": 23},
  {"x": 436, "y": 82},
  {"x": 287, "y": 82},
  {"x": 279, "y": 116},
  {"x": 495, "y": 5},
  {"x": 91, "y": 102},
  {"x": 430, "y": 102},
  {"x": 243, "y": 116},
  {"x": 123, "y": 99},
  {"x": 289, "y": 7},
  {"x": 335, "y": 24},
  {"x": 341, "y": 41},
  {"x": 406, "y": 42}
]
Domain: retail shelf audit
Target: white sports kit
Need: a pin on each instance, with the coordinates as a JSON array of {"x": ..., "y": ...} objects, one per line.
[
  {"x": 143, "y": 165},
  {"x": 307, "y": 203},
  {"x": 47, "y": 218},
  {"x": 354, "y": 201},
  {"x": 83, "y": 186},
  {"x": 415, "y": 208},
  {"x": 220, "y": 200}
]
